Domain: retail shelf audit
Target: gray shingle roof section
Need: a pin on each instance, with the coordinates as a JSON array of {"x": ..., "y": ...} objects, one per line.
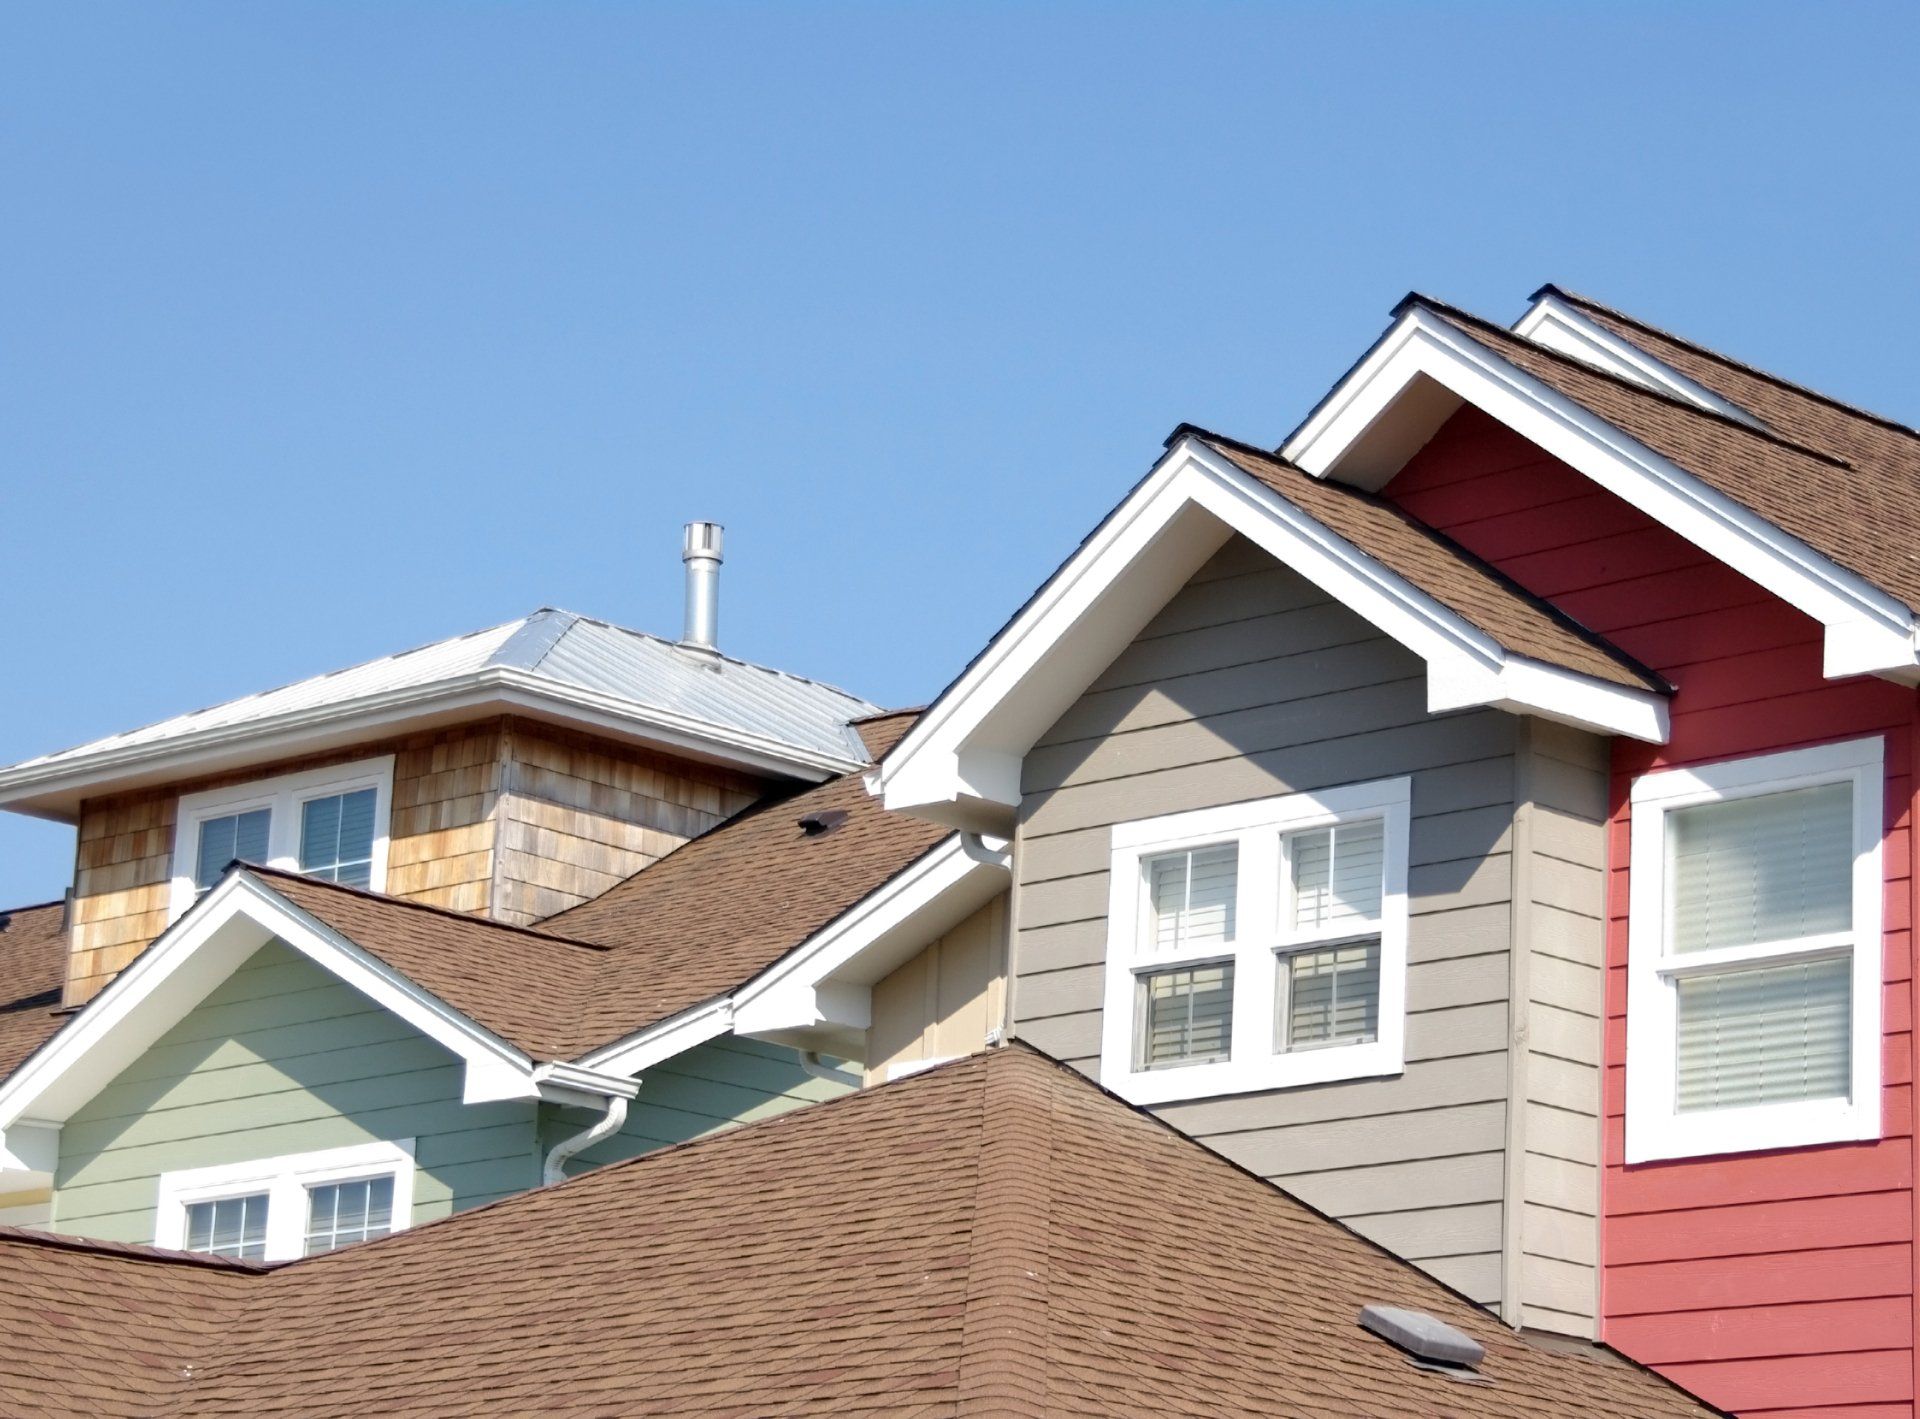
[{"x": 572, "y": 656}]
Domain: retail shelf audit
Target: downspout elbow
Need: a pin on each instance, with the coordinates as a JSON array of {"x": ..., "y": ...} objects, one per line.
[
  {"x": 810, "y": 1061},
  {"x": 975, "y": 847},
  {"x": 607, "y": 1125}
]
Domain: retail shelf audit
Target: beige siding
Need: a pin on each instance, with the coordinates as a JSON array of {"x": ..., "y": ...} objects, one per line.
[
  {"x": 1252, "y": 683},
  {"x": 945, "y": 1001},
  {"x": 501, "y": 817},
  {"x": 1553, "y": 1231}
]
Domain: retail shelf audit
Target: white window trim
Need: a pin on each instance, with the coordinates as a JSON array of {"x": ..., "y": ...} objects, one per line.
[
  {"x": 1258, "y": 826},
  {"x": 283, "y": 795},
  {"x": 285, "y": 1180},
  {"x": 1654, "y": 1128}
]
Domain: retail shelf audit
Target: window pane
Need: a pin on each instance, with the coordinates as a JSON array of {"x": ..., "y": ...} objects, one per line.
[
  {"x": 1766, "y": 1036},
  {"x": 1192, "y": 897},
  {"x": 336, "y": 837},
  {"x": 1338, "y": 874},
  {"x": 241, "y": 836},
  {"x": 1332, "y": 995},
  {"x": 230, "y": 1226},
  {"x": 1772, "y": 868},
  {"x": 340, "y": 1213},
  {"x": 1185, "y": 1016}
]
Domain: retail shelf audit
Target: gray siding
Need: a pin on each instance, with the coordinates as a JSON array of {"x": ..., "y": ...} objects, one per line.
[
  {"x": 1251, "y": 683},
  {"x": 283, "y": 1058}
]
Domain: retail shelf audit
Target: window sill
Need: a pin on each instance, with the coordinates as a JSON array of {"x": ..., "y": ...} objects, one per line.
[
  {"x": 1326, "y": 1065},
  {"x": 1765, "y": 1128}
]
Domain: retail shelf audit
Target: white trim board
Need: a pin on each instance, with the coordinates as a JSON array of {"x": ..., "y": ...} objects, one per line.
[
  {"x": 960, "y": 763},
  {"x": 1557, "y": 324},
  {"x": 285, "y": 1181},
  {"x": 1424, "y": 367},
  {"x": 193, "y": 956}
]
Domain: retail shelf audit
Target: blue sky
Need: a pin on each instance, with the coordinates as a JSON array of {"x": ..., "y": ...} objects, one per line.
[{"x": 326, "y": 330}]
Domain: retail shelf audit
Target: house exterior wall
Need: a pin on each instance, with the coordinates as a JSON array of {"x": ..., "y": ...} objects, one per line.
[
  {"x": 1252, "y": 683},
  {"x": 505, "y": 817},
  {"x": 283, "y": 1058},
  {"x": 716, "y": 1085},
  {"x": 1779, "y": 1282},
  {"x": 943, "y": 1002}
]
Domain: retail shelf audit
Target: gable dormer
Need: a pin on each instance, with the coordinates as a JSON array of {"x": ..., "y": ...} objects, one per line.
[{"x": 509, "y": 773}]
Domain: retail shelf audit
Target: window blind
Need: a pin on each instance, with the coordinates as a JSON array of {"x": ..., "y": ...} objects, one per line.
[
  {"x": 1185, "y": 1015},
  {"x": 1775, "y": 867},
  {"x": 1337, "y": 876},
  {"x": 1332, "y": 995},
  {"x": 1765, "y": 1035},
  {"x": 241, "y": 836},
  {"x": 336, "y": 837},
  {"x": 1192, "y": 897}
]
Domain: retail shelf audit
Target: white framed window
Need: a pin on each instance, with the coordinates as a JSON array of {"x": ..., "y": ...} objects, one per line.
[
  {"x": 330, "y": 823},
  {"x": 1258, "y": 946},
  {"x": 1753, "y": 953},
  {"x": 275, "y": 1209}
]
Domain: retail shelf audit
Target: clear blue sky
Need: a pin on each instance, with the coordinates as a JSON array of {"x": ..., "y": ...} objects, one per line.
[{"x": 332, "y": 329}]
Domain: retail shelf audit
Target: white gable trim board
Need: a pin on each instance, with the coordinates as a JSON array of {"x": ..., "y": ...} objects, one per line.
[
  {"x": 1424, "y": 366},
  {"x": 215, "y": 937},
  {"x": 1554, "y": 323},
  {"x": 961, "y": 761}
]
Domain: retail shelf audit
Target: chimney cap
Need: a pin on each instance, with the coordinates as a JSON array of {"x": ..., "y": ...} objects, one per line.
[{"x": 703, "y": 539}]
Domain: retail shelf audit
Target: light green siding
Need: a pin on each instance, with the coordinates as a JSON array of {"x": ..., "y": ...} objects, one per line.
[
  {"x": 284, "y": 1058},
  {"x": 725, "y": 1081}
]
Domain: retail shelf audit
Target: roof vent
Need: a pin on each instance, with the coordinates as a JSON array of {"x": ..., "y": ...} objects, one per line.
[
  {"x": 818, "y": 825},
  {"x": 1433, "y": 1344},
  {"x": 701, "y": 552}
]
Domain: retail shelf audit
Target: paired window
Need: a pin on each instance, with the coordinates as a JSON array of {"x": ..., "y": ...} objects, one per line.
[
  {"x": 1753, "y": 1008},
  {"x": 330, "y": 823},
  {"x": 280, "y": 1208},
  {"x": 1259, "y": 945}
]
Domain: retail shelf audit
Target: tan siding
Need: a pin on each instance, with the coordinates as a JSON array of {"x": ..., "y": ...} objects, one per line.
[
  {"x": 1252, "y": 683},
  {"x": 500, "y": 817},
  {"x": 944, "y": 1001}
]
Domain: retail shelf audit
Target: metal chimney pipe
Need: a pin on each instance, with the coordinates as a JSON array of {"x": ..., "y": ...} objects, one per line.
[{"x": 701, "y": 552}]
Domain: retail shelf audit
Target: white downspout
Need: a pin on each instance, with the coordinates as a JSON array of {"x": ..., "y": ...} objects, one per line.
[
  {"x": 609, "y": 1123},
  {"x": 975, "y": 847},
  {"x": 810, "y": 1061}
]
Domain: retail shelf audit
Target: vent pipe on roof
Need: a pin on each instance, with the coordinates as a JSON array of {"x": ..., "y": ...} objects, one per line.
[{"x": 701, "y": 553}]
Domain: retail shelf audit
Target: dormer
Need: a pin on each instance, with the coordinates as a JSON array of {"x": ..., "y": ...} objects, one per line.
[{"x": 510, "y": 773}]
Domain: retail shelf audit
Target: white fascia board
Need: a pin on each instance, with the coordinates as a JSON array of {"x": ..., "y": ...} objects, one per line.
[
  {"x": 947, "y": 757},
  {"x": 1552, "y": 322},
  {"x": 49, "y": 789},
  {"x": 824, "y": 980},
  {"x": 664, "y": 1039},
  {"x": 197, "y": 953},
  {"x": 1868, "y": 631}
]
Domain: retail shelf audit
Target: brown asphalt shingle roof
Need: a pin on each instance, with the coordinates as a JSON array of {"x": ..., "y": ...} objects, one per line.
[
  {"x": 33, "y": 972},
  {"x": 703, "y": 920},
  {"x": 1846, "y": 486},
  {"x": 1477, "y": 593},
  {"x": 994, "y": 1236}
]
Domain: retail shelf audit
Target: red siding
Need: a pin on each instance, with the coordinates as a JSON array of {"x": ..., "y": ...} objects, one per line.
[{"x": 1777, "y": 1284}]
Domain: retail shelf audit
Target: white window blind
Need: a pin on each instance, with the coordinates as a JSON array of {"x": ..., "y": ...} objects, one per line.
[
  {"x": 336, "y": 837},
  {"x": 1185, "y": 1016},
  {"x": 1191, "y": 898},
  {"x": 241, "y": 836},
  {"x": 1333, "y": 995},
  {"x": 1337, "y": 877},
  {"x": 1774, "y": 867},
  {"x": 1765, "y": 1035}
]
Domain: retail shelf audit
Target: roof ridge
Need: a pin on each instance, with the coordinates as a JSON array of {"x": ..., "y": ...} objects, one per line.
[
  {"x": 284, "y": 875},
  {"x": 1728, "y": 360},
  {"x": 132, "y": 1251},
  {"x": 1652, "y": 678},
  {"x": 1455, "y": 313},
  {"x": 33, "y": 906}
]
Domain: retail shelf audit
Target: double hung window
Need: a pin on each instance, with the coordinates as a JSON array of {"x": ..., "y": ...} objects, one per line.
[
  {"x": 279, "y": 1208},
  {"x": 1753, "y": 1009},
  {"x": 329, "y": 823},
  {"x": 1258, "y": 945}
]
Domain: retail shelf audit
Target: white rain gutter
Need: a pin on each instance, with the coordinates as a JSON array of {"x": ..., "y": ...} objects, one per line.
[
  {"x": 810, "y": 1061},
  {"x": 573, "y": 1086}
]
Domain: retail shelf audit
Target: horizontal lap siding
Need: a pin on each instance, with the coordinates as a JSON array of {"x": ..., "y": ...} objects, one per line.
[
  {"x": 283, "y": 1058},
  {"x": 1779, "y": 1284},
  {"x": 1251, "y": 683}
]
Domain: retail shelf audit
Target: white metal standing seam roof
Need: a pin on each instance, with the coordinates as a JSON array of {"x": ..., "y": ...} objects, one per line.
[{"x": 729, "y": 708}]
